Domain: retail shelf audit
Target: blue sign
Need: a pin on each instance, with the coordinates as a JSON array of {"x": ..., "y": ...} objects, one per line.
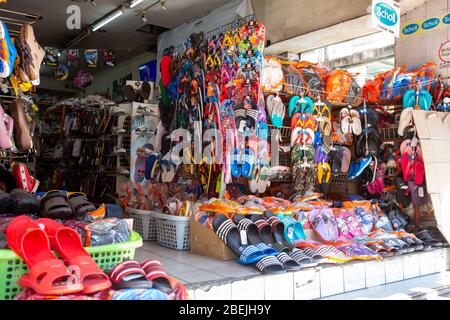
[
  {"x": 386, "y": 14},
  {"x": 410, "y": 29},
  {"x": 430, "y": 23}
]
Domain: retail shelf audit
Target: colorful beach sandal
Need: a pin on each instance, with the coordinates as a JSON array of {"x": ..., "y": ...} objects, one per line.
[
  {"x": 68, "y": 244},
  {"x": 47, "y": 274}
]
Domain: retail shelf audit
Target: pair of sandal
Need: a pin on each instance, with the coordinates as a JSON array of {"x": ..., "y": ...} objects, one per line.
[
  {"x": 18, "y": 201},
  {"x": 140, "y": 92},
  {"x": 350, "y": 120},
  {"x": 242, "y": 164},
  {"x": 276, "y": 110},
  {"x": 132, "y": 274},
  {"x": 33, "y": 241},
  {"x": 358, "y": 167},
  {"x": 56, "y": 204}
]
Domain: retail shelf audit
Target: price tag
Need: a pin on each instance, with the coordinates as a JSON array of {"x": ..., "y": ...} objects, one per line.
[
  {"x": 421, "y": 192},
  {"x": 244, "y": 241}
]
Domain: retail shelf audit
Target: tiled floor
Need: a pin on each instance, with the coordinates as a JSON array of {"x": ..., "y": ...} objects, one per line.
[
  {"x": 191, "y": 268},
  {"x": 399, "y": 290}
]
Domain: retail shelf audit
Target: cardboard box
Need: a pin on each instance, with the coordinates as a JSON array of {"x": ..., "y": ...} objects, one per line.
[{"x": 205, "y": 242}]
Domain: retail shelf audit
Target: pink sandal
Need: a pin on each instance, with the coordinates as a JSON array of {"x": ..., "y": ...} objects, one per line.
[{"x": 6, "y": 130}]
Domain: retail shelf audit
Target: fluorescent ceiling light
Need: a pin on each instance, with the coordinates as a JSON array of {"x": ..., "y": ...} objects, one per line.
[
  {"x": 107, "y": 20},
  {"x": 134, "y": 3}
]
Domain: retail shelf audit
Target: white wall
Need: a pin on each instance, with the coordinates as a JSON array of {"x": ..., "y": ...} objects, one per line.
[{"x": 425, "y": 47}]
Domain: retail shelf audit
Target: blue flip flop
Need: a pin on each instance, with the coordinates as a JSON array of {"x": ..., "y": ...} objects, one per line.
[
  {"x": 424, "y": 99},
  {"x": 249, "y": 163},
  {"x": 236, "y": 166}
]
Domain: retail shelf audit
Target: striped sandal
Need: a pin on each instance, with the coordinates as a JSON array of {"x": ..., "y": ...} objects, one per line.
[
  {"x": 332, "y": 254},
  {"x": 301, "y": 258},
  {"x": 247, "y": 225},
  {"x": 270, "y": 265},
  {"x": 129, "y": 274},
  {"x": 277, "y": 229},
  {"x": 264, "y": 229},
  {"x": 289, "y": 263},
  {"x": 227, "y": 231},
  {"x": 317, "y": 258}
]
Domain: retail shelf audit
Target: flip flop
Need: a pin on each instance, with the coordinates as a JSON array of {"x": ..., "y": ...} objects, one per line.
[
  {"x": 47, "y": 274},
  {"x": 249, "y": 162},
  {"x": 406, "y": 119},
  {"x": 355, "y": 123},
  {"x": 288, "y": 263},
  {"x": 345, "y": 120}
]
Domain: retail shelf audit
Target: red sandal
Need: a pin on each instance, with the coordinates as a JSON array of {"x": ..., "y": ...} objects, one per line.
[
  {"x": 67, "y": 243},
  {"x": 48, "y": 275}
]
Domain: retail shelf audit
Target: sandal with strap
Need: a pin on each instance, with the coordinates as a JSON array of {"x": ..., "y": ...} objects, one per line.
[
  {"x": 270, "y": 265},
  {"x": 129, "y": 274},
  {"x": 67, "y": 243},
  {"x": 79, "y": 203},
  {"x": 227, "y": 231},
  {"x": 54, "y": 205},
  {"x": 48, "y": 275}
]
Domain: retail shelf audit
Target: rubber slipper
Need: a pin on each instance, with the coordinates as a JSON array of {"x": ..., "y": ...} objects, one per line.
[
  {"x": 270, "y": 265},
  {"x": 79, "y": 203},
  {"x": 345, "y": 120},
  {"x": 227, "y": 231},
  {"x": 155, "y": 273},
  {"x": 251, "y": 230},
  {"x": 355, "y": 122},
  {"x": 293, "y": 230},
  {"x": 54, "y": 205},
  {"x": 277, "y": 229},
  {"x": 264, "y": 229},
  {"x": 249, "y": 162},
  {"x": 129, "y": 274},
  {"x": 406, "y": 119},
  {"x": 47, "y": 274},
  {"x": 68, "y": 244},
  {"x": 288, "y": 263},
  {"x": 302, "y": 258}
]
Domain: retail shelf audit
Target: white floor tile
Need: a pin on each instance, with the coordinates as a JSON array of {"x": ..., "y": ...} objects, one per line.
[
  {"x": 222, "y": 292},
  {"x": 331, "y": 281},
  {"x": 279, "y": 287},
  {"x": 411, "y": 266},
  {"x": 307, "y": 284},
  {"x": 427, "y": 263},
  {"x": 375, "y": 273},
  {"x": 394, "y": 269},
  {"x": 354, "y": 277},
  {"x": 252, "y": 289}
]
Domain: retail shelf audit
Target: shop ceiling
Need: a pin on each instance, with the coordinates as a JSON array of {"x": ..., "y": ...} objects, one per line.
[
  {"x": 316, "y": 25},
  {"x": 120, "y": 34}
]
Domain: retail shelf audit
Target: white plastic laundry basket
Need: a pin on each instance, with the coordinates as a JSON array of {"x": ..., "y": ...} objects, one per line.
[
  {"x": 173, "y": 231},
  {"x": 143, "y": 223}
]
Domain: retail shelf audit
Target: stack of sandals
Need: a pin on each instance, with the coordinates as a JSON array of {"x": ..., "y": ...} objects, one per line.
[
  {"x": 266, "y": 247},
  {"x": 56, "y": 204}
]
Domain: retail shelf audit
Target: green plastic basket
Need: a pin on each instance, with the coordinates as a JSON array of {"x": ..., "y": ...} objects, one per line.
[{"x": 12, "y": 266}]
